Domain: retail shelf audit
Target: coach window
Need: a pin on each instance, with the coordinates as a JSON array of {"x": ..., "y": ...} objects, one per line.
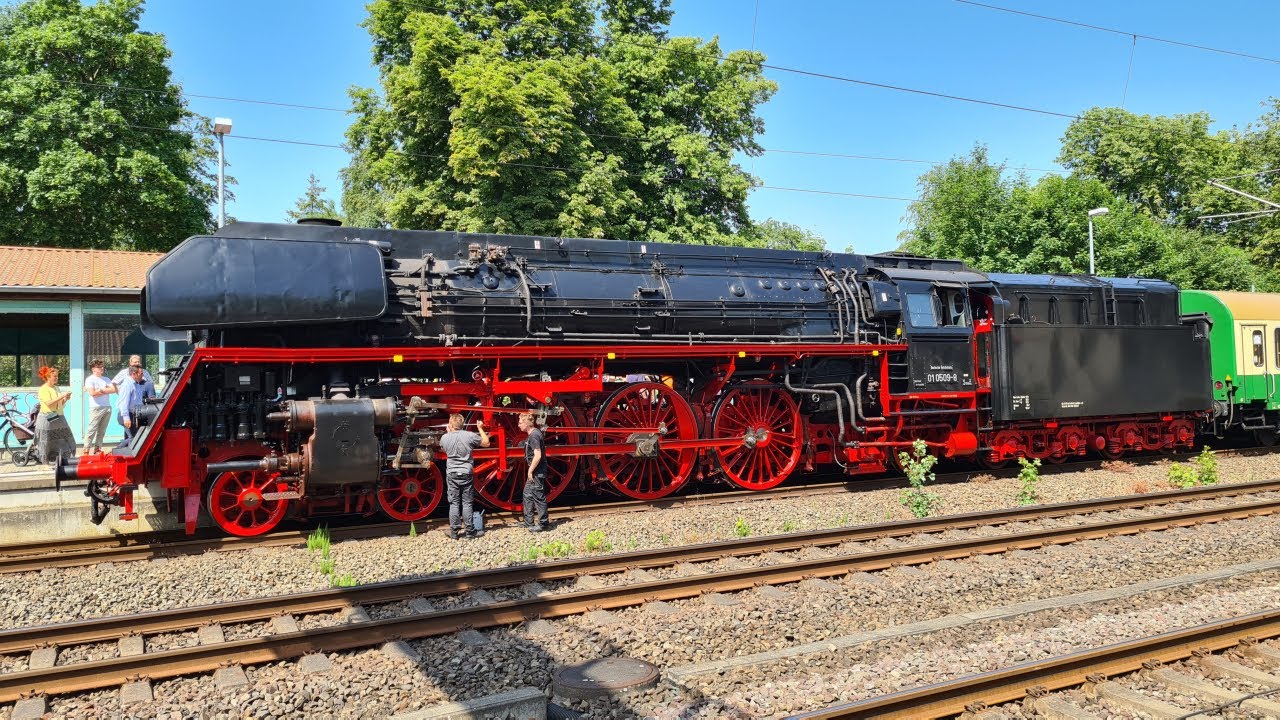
[
  {"x": 923, "y": 309},
  {"x": 1257, "y": 348},
  {"x": 1277, "y": 346}
]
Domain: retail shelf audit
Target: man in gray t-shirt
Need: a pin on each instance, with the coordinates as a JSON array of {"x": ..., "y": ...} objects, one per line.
[{"x": 457, "y": 445}]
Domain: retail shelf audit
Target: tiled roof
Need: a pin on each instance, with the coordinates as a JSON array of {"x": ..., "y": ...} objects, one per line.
[{"x": 63, "y": 268}]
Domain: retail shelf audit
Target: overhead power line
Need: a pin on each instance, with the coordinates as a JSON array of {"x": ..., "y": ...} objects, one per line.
[
  {"x": 1152, "y": 38},
  {"x": 652, "y": 47},
  {"x": 333, "y": 146},
  {"x": 635, "y": 138}
]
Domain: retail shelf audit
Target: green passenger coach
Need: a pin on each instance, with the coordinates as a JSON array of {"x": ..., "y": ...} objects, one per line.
[{"x": 1245, "y": 350}]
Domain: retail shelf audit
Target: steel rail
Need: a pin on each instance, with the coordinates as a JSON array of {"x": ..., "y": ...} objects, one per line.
[
  {"x": 90, "y": 675},
  {"x": 72, "y": 552},
  {"x": 1014, "y": 683},
  {"x": 112, "y": 627}
]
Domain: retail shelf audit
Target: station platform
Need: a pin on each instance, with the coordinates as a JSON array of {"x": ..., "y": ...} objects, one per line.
[{"x": 32, "y": 508}]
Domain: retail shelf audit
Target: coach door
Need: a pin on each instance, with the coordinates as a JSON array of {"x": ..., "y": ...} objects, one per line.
[{"x": 1254, "y": 373}]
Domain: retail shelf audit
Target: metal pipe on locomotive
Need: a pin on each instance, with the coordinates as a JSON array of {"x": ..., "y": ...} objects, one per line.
[{"x": 327, "y": 360}]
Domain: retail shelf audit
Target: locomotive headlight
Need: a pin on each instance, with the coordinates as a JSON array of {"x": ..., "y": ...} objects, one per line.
[{"x": 1217, "y": 385}]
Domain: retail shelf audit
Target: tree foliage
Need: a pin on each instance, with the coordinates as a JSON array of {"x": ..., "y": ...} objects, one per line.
[
  {"x": 1161, "y": 166},
  {"x": 972, "y": 209},
  {"x": 552, "y": 117},
  {"x": 778, "y": 235},
  {"x": 84, "y": 162},
  {"x": 313, "y": 203}
]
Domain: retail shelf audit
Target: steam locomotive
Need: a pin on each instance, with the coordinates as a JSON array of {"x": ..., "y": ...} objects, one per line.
[{"x": 328, "y": 358}]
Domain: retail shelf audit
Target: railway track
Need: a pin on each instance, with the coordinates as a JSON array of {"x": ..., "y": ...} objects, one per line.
[
  {"x": 72, "y": 552},
  {"x": 1094, "y": 670},
  {"x": 602, "y": 582}
]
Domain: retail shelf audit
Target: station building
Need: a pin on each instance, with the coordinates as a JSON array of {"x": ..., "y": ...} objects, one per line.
[{"x": 62, "y": 308}]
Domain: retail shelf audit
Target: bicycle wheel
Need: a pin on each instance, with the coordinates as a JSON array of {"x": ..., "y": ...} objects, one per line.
[{"x": 10, "y": 443}]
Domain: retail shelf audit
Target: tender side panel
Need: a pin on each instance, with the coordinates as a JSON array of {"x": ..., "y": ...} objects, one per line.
[{"x": 1051, "y": 371}]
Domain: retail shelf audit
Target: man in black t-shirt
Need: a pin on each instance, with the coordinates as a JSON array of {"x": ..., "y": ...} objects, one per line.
[{"x": 535, "y": 484}]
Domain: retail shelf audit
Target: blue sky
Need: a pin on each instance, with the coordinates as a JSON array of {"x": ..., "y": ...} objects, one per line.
[{"x": 310, "y": 51}]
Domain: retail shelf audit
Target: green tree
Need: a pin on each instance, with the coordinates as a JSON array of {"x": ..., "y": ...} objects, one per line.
[
  {"x": 971, "y": 209},
  {"x": 1158, "y": 164},
  {"x": 313, "y": 203},
  {"x": 84, "y": 162},
  {"x": 778, "y": 235},
  {"x": 552, "y": 117}
]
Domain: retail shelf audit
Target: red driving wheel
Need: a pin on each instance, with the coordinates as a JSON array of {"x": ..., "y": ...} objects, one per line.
[
  {"x": 412, "y": 494},
  {"x": 767, "y": 420},
  {"x": 505, "y": 491},
  {"x": 237, "y": 504},
  {"x": 650, "y": 472}
]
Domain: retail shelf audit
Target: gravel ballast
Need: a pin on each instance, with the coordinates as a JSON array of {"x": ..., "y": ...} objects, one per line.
[{"x": 367, "y": 683}]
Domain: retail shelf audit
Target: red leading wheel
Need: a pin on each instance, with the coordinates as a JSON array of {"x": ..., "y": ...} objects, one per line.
[
  {"x": 767, "y": 420},
  {"x": 650, "y": 472},
  {"x": 411, "y": 495},
  {"x": 505, "y": 491},
  {"x": 237, "y": 505}
]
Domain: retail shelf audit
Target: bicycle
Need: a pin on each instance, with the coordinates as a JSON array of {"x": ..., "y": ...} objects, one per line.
[{"x": 17, "y": 428}]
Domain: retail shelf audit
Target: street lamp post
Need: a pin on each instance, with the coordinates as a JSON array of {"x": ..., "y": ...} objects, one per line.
[
  {"x": 221, "y": 128},
  {"x": 1092, "y": 214}
]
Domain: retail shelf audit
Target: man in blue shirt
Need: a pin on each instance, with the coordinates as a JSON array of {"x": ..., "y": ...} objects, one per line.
[
  {"x": 133, "y": 360},
  {"x": 133, "y": 391}
]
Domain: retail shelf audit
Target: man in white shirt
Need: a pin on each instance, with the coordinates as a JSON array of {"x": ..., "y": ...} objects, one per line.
[{"x": 99, "y": 392}]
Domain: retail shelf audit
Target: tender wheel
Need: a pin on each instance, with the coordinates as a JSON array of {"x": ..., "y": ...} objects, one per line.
[
  {"x": 651, "y": 471},
  {"x": 1267, "y": 438},
  {"x": 985, "y": 460},
  {"x": 1109, "y": 454},
  {"x": 411, "y": 495},
  {"x": 237, "y": 505},
  {"x": 767, "y": 420},
  {"x": 506, "y": 491}
]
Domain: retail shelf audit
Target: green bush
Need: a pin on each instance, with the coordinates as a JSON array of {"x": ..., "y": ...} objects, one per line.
[
  {"x": 326, "y": 567},
  {"x": 597, "y": 542},
  {"x": 1028, "y": 476},
  {"x": 788, "y": 525},
  {"x": 741, "y": 528},
  {"x": 553, "y": 549},
  {"x": 1183, "y": 476},
  {"x": 919, "y": 466},
  {"x": 413, "y": 530},
  {"x": 345, "y": 581},
  {"x": 1205, "y": 471},
  {"x": 1207, "y": 467}
]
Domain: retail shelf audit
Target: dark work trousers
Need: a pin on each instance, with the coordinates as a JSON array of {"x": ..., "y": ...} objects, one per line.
[
  {"x": 535, "y": 500},
  {"x": 461, "y": 492}
]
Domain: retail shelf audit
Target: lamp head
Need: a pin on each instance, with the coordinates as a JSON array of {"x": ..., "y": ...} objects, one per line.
[
  {"x": 222, "y": 126},
  {"x": 1098, "y": 211}
]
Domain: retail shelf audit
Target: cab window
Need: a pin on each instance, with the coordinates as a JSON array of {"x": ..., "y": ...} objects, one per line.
[
  {"x": 923, "y": 310},
  {"x": 957, "y": 308}
]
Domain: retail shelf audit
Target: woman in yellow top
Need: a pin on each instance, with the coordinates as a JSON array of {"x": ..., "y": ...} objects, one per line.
[{"x": 53, "y": 435}]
